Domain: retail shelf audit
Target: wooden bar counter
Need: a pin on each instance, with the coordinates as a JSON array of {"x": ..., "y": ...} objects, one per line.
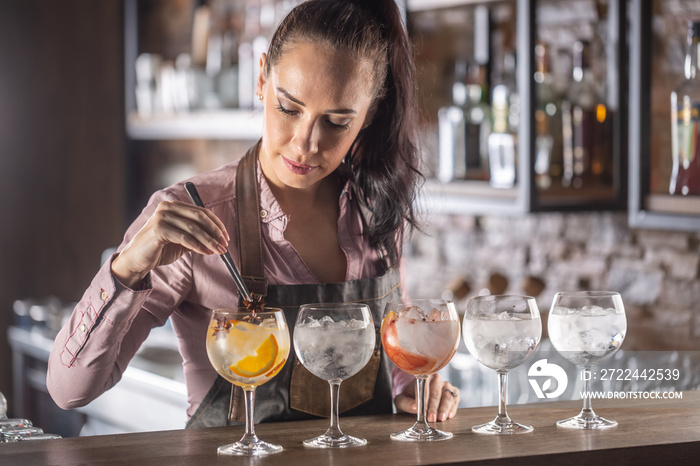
[{"x": 649, "y": 432}]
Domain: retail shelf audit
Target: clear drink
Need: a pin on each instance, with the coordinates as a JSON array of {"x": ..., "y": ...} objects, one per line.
[
  {"x": 588, "y": 335},
  {"x": 501, "y": 341},
  {"x": 334, "y": 350},
  {"x": 501, "y": 332},
  {"x": 586, "y": 327},
  {"x": 334, "y": 341}
]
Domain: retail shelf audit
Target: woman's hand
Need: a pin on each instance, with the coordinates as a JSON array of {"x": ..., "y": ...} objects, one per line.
[
  {"x": 441, "y": 398},
  {"x": 174, "y": 228}
]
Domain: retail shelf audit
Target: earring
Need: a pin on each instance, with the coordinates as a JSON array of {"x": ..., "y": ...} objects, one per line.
[{"x": 260, "y": 96}]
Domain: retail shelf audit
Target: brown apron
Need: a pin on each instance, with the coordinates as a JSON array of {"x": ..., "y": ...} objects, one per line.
[{"x": 295, "y": 393}]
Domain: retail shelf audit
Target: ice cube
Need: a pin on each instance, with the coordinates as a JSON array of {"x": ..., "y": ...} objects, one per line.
[
  {"x": 596, "y": 341},
  {"x": 594, "y": 311},
  {"x": 436, "y": 315},
  {"x": 355, "y": 324},
  {"x": 413, "y": 312},
  {"x": 563, "y": 311},
  {"x": 326, "y": 321},
  {"x": 313, "y": 323},
  {"x": 269, "y": 323},
  {"x": 485, "y": 315}
]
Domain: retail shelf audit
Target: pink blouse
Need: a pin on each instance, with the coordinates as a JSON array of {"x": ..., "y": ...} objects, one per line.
[{"x": 111, "y": 321}]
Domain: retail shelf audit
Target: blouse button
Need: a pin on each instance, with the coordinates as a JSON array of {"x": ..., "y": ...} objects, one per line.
[
  {"x": 104, "y": 295},
  {"x": 263, "y": 213},
  {"x": 83, "y": 328}
]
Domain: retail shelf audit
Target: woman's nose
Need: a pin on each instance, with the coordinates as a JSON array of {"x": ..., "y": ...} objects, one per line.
[{"x": 306, "y": 136}]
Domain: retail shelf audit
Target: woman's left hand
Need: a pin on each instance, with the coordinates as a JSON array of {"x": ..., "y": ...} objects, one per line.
[{"x": 441, "y": 398}]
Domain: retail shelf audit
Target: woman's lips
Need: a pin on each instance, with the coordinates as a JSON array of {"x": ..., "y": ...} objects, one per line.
[{"x": 297, "y": 168}]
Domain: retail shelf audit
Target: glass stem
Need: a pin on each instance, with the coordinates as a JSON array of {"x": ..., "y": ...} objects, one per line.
[
  {"x": 420, "y": 400},
  {"x": 249, "y": 436},
  {"x": 502, "y": 395},
  {"x": 587, "y": 411},
  {"x": 334, "y": 429}
]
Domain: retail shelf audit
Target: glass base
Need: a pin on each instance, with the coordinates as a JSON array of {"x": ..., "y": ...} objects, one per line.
[
  {"x": 504, "y": 428},
  {"x": 421, "y": 433},
  {"x": 580, "y": 422},
  {"x": 326, "y": 441},
  {"x": 258, "y": 448}
]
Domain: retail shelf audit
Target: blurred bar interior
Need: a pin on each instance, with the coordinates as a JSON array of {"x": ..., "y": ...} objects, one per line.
[{"x": 550, "y": 157}]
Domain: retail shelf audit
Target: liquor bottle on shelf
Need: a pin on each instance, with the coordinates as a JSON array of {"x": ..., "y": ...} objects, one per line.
[
  {"x": 548, "y": 139},
  {"x": 685, "y": 122},
  {"x": 227, "y": 79},
  {"x": 247, "y": 47},
  {"x": 501, "y": 142},
  {"x": 452, "y": 130},
  {"x": 586, "y": 127},
  {"x": 463, "y": 128}
]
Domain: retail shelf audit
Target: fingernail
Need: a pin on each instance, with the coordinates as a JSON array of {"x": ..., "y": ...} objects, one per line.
[
  {"x": 221, "y": 249},
  {"x": 414, "y": 408},
  {"x": 443, "y": 416},
  {"x": 223, "y": 241},
  {"x": 432, "y": 417}
]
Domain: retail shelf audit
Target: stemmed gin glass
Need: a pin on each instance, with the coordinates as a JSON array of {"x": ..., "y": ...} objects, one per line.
[
  {"x": 501, "y": 332},
  {"x": 587, "y": 327},
  {"x": 334, "y": 341},
  {"x": 248, "y": 349},
  {"x": 420, "y": 337}
]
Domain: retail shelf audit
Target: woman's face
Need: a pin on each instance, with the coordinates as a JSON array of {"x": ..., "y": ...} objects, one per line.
[{"x": 315, "y": 103}]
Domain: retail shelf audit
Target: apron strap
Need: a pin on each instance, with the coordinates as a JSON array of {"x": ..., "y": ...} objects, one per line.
[
  {"x": 248, "y": 226},
  {"x": 249, "y": 231}
]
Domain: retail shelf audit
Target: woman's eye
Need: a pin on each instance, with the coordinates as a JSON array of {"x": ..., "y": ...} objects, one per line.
[
  {"x": 284, "y": 110},
  {"x": 339, "y": 126}
]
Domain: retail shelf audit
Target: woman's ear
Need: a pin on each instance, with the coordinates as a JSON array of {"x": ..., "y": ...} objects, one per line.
[{"x": 261, "y": 75}]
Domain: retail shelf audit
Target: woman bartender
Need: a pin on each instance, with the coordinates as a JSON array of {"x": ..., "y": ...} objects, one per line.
[{"x": 339, "y": 142}]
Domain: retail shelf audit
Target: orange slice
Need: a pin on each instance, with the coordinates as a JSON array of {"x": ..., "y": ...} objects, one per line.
[{"x": 261, "y": 362}]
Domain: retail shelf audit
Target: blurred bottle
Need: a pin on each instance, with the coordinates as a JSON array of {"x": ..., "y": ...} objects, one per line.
[
  {"x": 463, "y": 128},
  {"x": 586, "y": 126},
  {"x": 246, "y": 56},
  {"x": 685, "y": 122},
  {"x": 501, "y": 142},
  {"x": 147, "y": 68},
  {"x": 452, "y": 130},
  {"x": 227, "y": 80},
  {"x": 259, "y": 26},
  {"x": 203, "y": 83},
  {"x": 548, "y": 147}
]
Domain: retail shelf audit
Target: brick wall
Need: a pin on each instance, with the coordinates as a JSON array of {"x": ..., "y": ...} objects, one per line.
[{"x": 656, "y": 272}]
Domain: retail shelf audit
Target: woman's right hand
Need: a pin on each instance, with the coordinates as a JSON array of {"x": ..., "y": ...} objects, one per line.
[{"x": 174, "y": 228}]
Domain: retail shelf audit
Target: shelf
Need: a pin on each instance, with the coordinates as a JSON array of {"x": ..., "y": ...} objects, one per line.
[
  {"x": 585, "y": 198},
  {"x": 673, "y": 204},
  {"x": 222, "y": 124},
  {"x": 646, "y": 208},
  {"x": 421, "y": 5},
  {"x": 470, "y": 198}
]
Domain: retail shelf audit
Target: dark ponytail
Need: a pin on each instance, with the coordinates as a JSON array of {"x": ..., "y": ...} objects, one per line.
[{"x": 383, "y": 162}]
